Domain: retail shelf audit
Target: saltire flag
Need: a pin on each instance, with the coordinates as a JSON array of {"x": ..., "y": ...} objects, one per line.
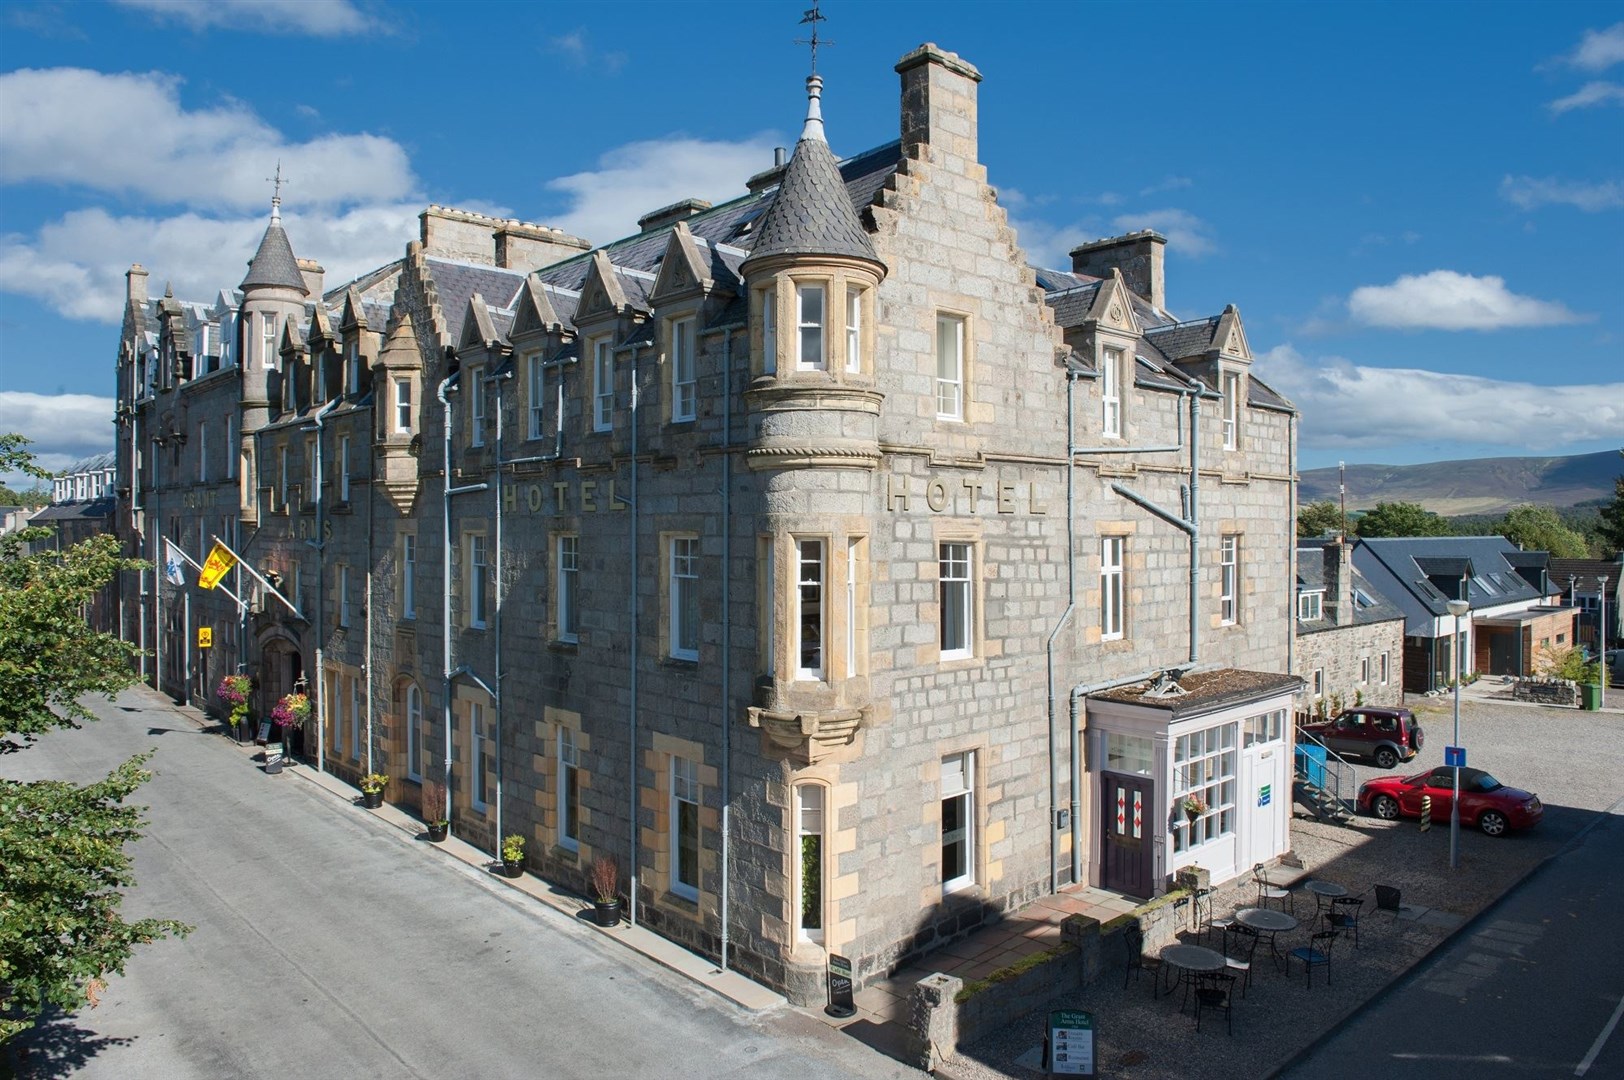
[
  {"x": 216, "y": 566},
  {"x": 172, "y": 567}
]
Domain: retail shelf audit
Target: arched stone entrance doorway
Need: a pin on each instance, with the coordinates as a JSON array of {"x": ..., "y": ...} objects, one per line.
[{"x": 281, "y": 667}]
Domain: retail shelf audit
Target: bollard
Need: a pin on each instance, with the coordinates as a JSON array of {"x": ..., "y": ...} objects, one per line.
[{"x": 1426, "y": 812}]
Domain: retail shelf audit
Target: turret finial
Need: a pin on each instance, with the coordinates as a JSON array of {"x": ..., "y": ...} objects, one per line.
[{"x": 276, "y": 193}]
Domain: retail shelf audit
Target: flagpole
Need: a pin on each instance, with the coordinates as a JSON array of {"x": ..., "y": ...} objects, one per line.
[
  {"x": 159, "y": 580},
  {"x": 195, "y": 565},
  {"x": 186, "y": 643},
  {"x": 257, "y": 576}
]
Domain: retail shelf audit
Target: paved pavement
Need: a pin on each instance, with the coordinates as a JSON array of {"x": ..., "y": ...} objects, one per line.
[
  {"x": 1534, "y": 987},
  {"x": 330, "y": 944}
]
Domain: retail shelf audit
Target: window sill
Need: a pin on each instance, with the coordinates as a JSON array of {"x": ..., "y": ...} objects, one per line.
[
  {"x": 673, "y": 899},
  {"x": 558, "y": 645},
  {"x": 680, "y": 663}
]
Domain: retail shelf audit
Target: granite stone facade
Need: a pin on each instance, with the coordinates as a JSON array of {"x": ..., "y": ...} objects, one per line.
[{"x": 759, "y": 551}]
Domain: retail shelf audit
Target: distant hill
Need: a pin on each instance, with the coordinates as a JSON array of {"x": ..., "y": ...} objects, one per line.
[{"x": 1473, "y": 486}]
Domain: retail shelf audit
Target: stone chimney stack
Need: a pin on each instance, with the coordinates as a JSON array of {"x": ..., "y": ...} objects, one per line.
[
  {"x": 314, "y": 274},
  {"x": 135, "y": 285},
  {"x": 1339, "y": 582},
  {"x": 1138, "y": 255},
  {"x": 939, "y": 102}
]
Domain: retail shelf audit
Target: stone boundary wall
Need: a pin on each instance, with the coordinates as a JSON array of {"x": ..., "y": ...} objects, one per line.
[{"x": 946, "y": 1012}]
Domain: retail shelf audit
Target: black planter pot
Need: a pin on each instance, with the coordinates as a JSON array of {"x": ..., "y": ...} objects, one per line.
[
  {"x": 372, "y": 800},
  {"x": 512, "y": 869},
  {"x": 606, "y": 913},
  {"x": 437, "y": 832}
]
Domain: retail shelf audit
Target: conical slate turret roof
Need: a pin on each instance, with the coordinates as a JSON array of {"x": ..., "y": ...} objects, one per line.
[
  {"x": 273, "y": 263},
  {"x": 812, "y": 214}
]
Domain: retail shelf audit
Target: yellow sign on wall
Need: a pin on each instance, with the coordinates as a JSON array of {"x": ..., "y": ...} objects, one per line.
[{"x": 205, "y": 637}]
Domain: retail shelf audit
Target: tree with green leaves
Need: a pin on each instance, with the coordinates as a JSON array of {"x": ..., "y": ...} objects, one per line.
[
  {"x": 1538, "y": 528},
  {"x": 1611, "y": 525},
  {"x": 63, "y": 864},
  {"x": 1323, "y": 518},
  {"x": 1401, "y": 519}
]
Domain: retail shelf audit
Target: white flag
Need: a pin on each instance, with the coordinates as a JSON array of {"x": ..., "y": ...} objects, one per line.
[{"x": 172, "y": 567}]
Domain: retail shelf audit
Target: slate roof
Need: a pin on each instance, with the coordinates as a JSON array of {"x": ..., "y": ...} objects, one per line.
[
  {"x": 81, "y": 510},
  {"x": 273, "y": 263},
  {"x": 1586, "y": 574},
  {"x": 1369, "y": 605},
  {"x": 93, "y": 463},
  {"x": 1399, "y": 568},
  {"x": 812, "y": 214},
  {"x": 457, "y": 282},
  {"x": 1179, "y": 340}
]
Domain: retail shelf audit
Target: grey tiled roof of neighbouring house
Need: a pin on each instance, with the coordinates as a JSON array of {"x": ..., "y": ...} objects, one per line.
[
  {"x": 83, "y": 510},
  {"x": 90, "y": 464},
  {"x": 1401, "y": 566},
  {"x": 1179, "y": 340},
  {"x": 273, "y": 263},
  {"x": 1259, "y": 395},
  {"x": 1071, "y": 305},
  {"x": 457, "y": 282},
  {"x": 1369, "y": 604}
]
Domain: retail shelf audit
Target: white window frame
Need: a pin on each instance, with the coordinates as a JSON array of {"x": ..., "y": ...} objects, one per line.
[
  {"x": 950, "y": 367},
  {"x": 478, "y": 567},
  {"x": 343, "y": 587},
  {"x": 813, "y": 585},
  {"x": 343, "y": 468},
  {"x": 810, "y": 329},
  {"x": 267, "y": 330},
  {"x": 603, "y": 385},
  {"x": 352, "y": 367},
  {"x": 684, "y": 371},
  {"x": 282, "y": 478},
  {"x": 202, "y": 451},
  {"x": 1364, "y": 669},
  {"x": 1232, "y": 409},
  {"x": 568, "y": 796},
  {"x": 408, "y": 575},
  {"x": 1111, "y": 393},
  {"x": 958, "y": 786},
  {"x": 854, "y": 329},
  {"x": 479, "y": 789},
  {"x": 414, "y": 732},
  {"x": 1310, "y": 605},
  {"x": 854, "y": 549},
  {"x": 1384, "y": 669},
  {"x": 955, "y": 563},
  {"x": 476, "y": 406},
  {"x": 536, "y": 381},
  {"x": 566, "y": 600},
  {"x": 231, "y": 450},
  {"x": 1229, "y": 552},
  {"x": 811, "y": 813},
  {"x": 403, "y": 406},
  {"x": 683, "y": 597},
  {"x": 1113, "y": 591},
  {"x": 1204, "y": 764},
  {"x": 685, "y": 793},
  {"x": 1317, "y": 683}
]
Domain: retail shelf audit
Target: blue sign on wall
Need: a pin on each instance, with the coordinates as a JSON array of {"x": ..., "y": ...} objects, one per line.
[{"x": 1455, "y": 757}]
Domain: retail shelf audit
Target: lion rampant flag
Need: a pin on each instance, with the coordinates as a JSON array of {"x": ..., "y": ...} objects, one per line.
[{"x": 216, "y": 566}]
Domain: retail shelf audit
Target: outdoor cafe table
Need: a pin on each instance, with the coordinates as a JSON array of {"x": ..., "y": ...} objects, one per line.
[
  {"x": 1193, "y": 958},
  {"x": 1267, "y": 921},
  {"x": 1324, "y": 892}
]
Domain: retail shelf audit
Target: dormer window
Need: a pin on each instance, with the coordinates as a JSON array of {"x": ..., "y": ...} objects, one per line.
[
  {"x": 352, "y": 368},
  {"x": 684, "y": 375},
  {"x": 603, "y": 386},
  {"x": 809, "y": 308},
  {"x": 1310, "y": 606},
  {"x": 476, "y": 406},
  {"x": 403, "y": 406},
  {"x": 1111, "y": 393}
]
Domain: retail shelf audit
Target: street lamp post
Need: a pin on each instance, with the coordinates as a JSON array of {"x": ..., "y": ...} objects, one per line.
[
  {"x": 1457, "y": 608},
  {"x": 1601, "y": 639}
]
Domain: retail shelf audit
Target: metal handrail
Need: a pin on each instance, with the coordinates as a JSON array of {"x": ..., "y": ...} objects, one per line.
[{"x": 1337, "y": 773}]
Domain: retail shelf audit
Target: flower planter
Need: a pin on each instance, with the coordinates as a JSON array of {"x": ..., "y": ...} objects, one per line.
[
  {"x": 437, "y": 833},
  {"x": 606, "y": 913},
  {"x": 372, "y": 800},
  {"x": 512, "y": 869}
]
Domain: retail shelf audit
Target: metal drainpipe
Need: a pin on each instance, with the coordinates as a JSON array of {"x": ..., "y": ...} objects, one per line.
[
  {"x": 1291, "y": 563},
  {"x": 368, "y": 612},
  {"x": 1195, "y": 525},
  {"x": 496, "y": 593},
  {"x": 1065, "y": 618},
  {"x": 445, "y": 580},
  {"x": 558, "y": 416},
  {"x": 321, "y": 584},
  {"x": 631, "y": 753}
]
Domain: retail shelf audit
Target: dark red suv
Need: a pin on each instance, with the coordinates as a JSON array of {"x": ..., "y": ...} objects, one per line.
[{"x": 1386, "y": 736}]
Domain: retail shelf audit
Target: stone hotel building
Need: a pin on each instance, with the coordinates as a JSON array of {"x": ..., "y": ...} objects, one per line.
[{"x": 844, "y": 577}]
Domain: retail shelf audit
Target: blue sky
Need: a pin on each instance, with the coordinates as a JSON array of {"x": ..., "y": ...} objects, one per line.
[{"x": 1419, "y": 208}]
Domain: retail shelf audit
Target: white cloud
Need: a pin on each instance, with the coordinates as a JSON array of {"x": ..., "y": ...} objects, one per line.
[
  {"x": 1345, "y": 404},
  {"x": 1591, "y": 93},
  {"x": 129, "y": 133},
  {"x": 576, "y": 49},
  {"x": 1599, "y": 49},
  {"x": 1186, "y": 233},
  {"x": 318, "y": 18},
  {"x": 64, "y": 427},
  {"x": 1446, "y": 300},
  {"x": 631, "y": 180},
  {"x": 1530, "y": 192},
  {"x": 1171, "y": 183},
  {"x": 76, "y": 265}
]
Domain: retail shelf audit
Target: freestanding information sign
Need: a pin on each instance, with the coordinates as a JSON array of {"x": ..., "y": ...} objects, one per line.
[
  {"x": 1071, "y": 1043},
  {"x": 840, "y": 1003}
]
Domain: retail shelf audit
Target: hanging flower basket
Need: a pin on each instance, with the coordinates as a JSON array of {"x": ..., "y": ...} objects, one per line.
[
  {"x": 291, "y": 711},
  {"x": 232, "y": 693},
  {"x": 1194, "y": 807}
]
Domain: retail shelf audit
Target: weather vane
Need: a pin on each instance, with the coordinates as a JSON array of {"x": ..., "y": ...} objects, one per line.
[
  {"x": 813, "y": 16},
  {"x": 277, "y": 181}
]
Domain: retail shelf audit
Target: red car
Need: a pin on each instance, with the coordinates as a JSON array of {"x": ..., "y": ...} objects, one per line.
[{"x": 1484, "y": 801}]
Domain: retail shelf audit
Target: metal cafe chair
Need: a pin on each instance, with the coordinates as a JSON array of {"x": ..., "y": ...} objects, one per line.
[
  {"x": 1344, "y": 915},
  {"x": 1315, "y": 954},
  {"x": 1215, "y": 990},
  {"x": 1267, "y": 891},
  {"x": 1240, "y": 947},
  {"x": 1133, "y": 938}
]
